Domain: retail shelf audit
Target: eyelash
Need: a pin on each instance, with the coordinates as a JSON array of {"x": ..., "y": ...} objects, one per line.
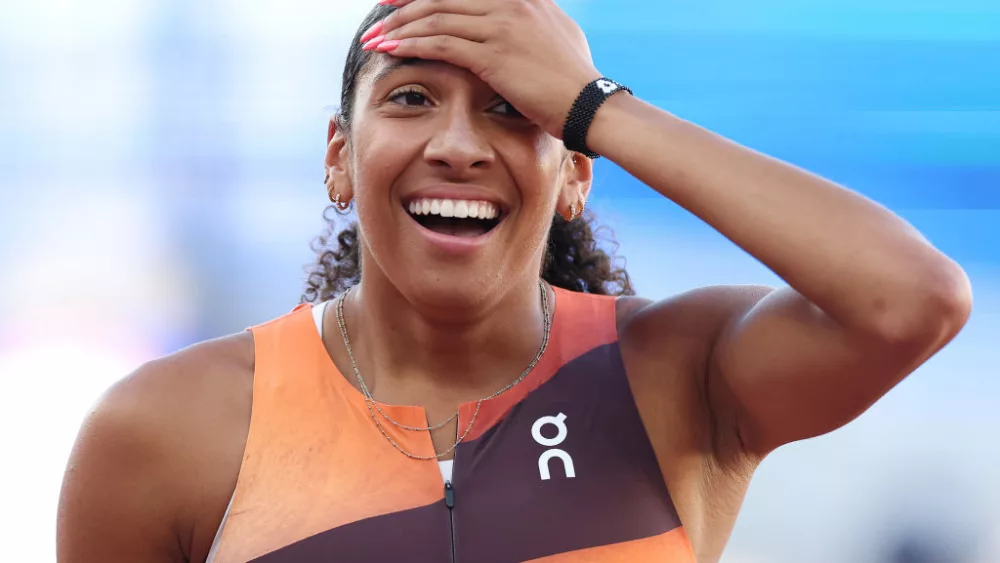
[
  {"x": 405, "y": 92},
  {"x": 514, "y": 114}
]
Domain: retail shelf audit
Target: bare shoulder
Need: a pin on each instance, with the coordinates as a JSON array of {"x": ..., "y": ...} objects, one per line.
[
  {"x": 666, "y": 346},
  {"x": 667, "y": 343},
  {"x": 157, "y": 458}
]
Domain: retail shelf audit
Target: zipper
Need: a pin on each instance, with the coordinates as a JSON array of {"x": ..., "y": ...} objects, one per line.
[
  {"x": 449, "y": 497},
  {"x": 449, "y": 501}
]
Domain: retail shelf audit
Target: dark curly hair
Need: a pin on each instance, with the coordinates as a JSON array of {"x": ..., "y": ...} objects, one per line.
[{"x": 574, "y": 259}]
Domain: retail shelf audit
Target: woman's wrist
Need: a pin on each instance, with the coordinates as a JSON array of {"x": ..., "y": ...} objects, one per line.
[
  {"x": 609, "y": 131},
  {"x": 586, "y": 105}
]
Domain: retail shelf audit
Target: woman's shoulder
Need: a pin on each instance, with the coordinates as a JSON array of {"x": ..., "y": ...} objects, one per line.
[
  {"x": 208, "y": 381},
  {"x": 667, "y": 344},
  {"x": 697, "y": 315},
  {"x": 172, "y": 434}
]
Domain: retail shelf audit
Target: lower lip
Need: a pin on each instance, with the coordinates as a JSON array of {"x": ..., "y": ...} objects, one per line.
[{"x": 452, "y": 244}]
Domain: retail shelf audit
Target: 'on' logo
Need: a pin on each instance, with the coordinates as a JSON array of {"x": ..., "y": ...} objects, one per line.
[{"x": 559, "y": 421}]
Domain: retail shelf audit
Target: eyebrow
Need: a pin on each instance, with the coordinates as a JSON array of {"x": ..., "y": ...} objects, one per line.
[{"x": 397, "y": 64}]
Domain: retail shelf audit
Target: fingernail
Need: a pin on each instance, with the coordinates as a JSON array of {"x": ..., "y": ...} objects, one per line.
[
  {"x": 389, "y": 2},
  {"x": 373, "y": 43},
  {"x": 387, "y": 46},
  {"x": 372, "y": 32}
]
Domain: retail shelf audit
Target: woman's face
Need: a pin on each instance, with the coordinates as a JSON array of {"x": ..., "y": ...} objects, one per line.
[{"x": 454, "y": 190}]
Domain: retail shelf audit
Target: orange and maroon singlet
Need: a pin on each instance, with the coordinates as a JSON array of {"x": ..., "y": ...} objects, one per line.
[{"x": 558, "y": 469}]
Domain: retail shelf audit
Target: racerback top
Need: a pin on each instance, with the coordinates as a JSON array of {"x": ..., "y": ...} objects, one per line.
[{"x": 558, "y": 469}]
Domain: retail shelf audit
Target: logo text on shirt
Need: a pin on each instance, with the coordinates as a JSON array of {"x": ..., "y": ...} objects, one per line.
[{"x": 559, "y": 421}]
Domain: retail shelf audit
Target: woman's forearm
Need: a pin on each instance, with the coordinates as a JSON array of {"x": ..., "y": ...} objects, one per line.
[{"x": 861, "y": 264}]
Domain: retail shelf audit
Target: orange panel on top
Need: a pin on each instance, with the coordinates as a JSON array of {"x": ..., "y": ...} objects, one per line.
[
  {"x": 671, "y": 547},
  {"x": 314, "y": 458}
]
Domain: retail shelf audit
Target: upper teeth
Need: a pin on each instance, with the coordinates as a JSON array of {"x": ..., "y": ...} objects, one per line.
[{"x": 458, "y": 208}]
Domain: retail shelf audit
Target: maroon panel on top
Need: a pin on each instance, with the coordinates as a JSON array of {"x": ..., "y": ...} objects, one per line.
[
  {"x": 505, "y": 512},
  {"x": 417, "y": 535}
]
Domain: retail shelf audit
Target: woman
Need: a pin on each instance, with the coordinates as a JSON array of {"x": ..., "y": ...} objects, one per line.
[{"x": 549, "y": 420}]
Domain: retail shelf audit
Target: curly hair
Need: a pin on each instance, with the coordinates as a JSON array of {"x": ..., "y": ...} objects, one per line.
[{"x": 574, "y": 259}]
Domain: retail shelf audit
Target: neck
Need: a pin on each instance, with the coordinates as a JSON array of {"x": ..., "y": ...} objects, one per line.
[{"x": 414, "y": 354}]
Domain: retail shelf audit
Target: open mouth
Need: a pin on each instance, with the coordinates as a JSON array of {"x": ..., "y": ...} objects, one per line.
[{"x": 456, "y": 217}]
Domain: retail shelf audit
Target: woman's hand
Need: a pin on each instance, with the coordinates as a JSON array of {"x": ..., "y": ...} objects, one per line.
[{"x": 529, "y": 51}]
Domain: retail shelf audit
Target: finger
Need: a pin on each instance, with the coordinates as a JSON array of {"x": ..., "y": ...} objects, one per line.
[
  {"x": 396, "y": 3},
  {"x": 413, "y": 10},
  {"x": 459, "y": 52},
  {"x": 403, "y": 3},
  {"x": 473, "y": 28}
]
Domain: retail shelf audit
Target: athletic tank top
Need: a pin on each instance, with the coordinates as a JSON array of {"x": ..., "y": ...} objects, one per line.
[{"x": 558, "y": 469}]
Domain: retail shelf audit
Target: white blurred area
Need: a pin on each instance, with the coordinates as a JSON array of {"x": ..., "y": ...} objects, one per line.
[
  {"x": 160, "y": 171},
  {"x": 106, "y": 147}
]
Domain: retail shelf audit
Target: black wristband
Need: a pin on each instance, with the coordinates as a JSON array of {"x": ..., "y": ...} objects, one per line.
[{"x": 584, "y": 109}]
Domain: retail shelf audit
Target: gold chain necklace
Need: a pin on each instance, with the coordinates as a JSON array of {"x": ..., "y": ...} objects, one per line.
[{"x": 373, "y": 405}]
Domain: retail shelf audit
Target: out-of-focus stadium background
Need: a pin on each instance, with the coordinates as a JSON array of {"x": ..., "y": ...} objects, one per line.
[{"x": 160, "y": 167}]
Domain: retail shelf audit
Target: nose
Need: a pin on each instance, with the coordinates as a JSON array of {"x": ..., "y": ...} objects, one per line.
[{"x": 459, "y": 142}]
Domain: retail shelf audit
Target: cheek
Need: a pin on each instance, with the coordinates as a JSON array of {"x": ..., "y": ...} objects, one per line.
[
  {"x": 379, "y": 158},
  {"x": 539, "y": 175},
  {"x": 377, "y": 161}
]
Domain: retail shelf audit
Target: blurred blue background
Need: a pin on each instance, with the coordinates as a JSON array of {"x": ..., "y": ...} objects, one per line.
[{"x": 160, "y": 167}]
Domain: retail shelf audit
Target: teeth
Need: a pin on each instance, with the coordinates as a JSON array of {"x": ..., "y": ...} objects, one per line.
[
  {"x": 458, "y": 208},
  {"x": 447, "y": 208}
]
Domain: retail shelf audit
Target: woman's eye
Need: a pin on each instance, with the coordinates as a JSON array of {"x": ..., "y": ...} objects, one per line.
[
  {"x": 409, "y": 99},
  {"x": 504, "y": 108}
]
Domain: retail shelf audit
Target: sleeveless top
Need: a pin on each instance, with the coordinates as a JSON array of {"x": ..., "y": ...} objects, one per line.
[{"x": 558, "y": 469}]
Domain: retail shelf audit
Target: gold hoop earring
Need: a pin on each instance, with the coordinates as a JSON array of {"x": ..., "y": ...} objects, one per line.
[
  {"x": 572, "y": 211},
  {"x": 341, "y": 205}
]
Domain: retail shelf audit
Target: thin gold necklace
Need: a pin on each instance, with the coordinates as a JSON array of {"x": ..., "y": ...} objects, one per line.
[{"x": 373, "y": 405}]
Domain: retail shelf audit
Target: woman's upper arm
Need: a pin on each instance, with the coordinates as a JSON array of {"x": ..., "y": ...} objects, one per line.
[
  {"x": 769, "y": 367},
  {"x": 119, "y": 502}
]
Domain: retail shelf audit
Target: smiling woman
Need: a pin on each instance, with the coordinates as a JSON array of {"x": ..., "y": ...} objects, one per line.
[
  {"x": 404, "y": 93},
  {"x": 467, "y": 379}
]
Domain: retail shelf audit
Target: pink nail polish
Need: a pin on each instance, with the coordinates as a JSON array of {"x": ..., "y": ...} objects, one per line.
[
  {"x": 372, "y": 32},
  {"x": 389, "y": 2},
  {"x": 372, "y": 43},
  {"x": 387, "y": 46}
]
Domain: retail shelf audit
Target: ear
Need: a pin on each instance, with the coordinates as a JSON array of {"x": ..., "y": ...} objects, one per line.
[
  {"x": 337, "y": 164},
  {"x": 578, "y": 176}
]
